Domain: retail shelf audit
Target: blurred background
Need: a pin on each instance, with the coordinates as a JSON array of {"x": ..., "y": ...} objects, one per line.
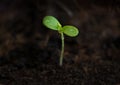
[{"x": 98, "y": 22}]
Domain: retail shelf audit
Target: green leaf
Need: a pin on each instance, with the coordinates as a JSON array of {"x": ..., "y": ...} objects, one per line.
[
  {"x": 70, "y": 30},
  {"x": 51, "y": 22}
]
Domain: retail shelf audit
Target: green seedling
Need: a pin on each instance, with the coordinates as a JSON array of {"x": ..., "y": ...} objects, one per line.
[{"x": 52, "y": 23}]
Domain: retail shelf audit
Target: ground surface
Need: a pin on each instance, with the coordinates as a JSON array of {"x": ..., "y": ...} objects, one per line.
[{"x": 29, "y": 52}]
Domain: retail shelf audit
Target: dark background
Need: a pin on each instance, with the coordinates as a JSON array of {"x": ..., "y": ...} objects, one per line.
[{"x": 29, "y": 52}]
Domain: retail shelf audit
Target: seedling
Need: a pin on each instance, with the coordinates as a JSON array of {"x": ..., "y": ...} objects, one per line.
[{"x": 52, "y": 23}]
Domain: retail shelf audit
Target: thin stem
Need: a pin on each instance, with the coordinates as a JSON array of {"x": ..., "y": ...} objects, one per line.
[{"x": 62, "y": 49}]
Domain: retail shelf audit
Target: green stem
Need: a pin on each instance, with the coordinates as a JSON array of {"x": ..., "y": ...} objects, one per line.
[{"x": 62, "y": 49}]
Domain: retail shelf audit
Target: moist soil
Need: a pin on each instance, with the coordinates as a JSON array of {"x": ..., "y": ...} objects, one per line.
[{"x": 29, "y": 52}]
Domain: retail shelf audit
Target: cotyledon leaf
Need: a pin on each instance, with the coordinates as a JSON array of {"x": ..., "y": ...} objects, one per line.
[
  {"x": 70, "y": 30},
  {"x": 51, "y": 22}
]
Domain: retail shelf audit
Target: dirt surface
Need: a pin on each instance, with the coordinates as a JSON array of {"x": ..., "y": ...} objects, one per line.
[{"x": 29, "y": 52}]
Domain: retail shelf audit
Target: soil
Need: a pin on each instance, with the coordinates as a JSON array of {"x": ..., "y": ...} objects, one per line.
[{"x": 29, "y": 52}]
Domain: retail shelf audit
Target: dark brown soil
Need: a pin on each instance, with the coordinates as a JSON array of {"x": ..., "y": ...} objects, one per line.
[{"x": 29, "y": 52}]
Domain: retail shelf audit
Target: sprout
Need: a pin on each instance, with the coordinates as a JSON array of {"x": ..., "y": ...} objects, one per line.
[{"x": 52, "y": 23}]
